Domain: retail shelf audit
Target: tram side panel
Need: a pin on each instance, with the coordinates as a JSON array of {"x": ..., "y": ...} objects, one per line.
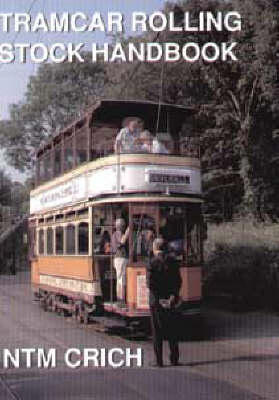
[
  {"x": 191, "y": 288},
  {"x": 190, "y": 293},
  {"x": 71, "y": 277},
  {"x": 75, "y": 280}
]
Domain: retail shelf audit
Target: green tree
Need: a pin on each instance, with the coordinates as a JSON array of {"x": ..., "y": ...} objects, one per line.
[
  {"x": 245, "y": 101},
  {"x": 237, "y": 101},
  {"x": 54, "y": 97}
]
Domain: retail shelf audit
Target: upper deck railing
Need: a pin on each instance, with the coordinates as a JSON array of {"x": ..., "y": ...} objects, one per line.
[
  {"x": 166, "y": 129},
  {"x": 63, "y": 158}
]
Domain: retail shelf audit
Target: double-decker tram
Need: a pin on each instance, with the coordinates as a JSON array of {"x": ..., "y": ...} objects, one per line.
[{"x": 107, "y": 186}]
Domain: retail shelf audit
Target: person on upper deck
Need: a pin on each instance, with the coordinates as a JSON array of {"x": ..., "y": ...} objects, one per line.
[
  {"x": 158, "y": 147},
  {"x": 127, "y": 140},
  {"x": 150, "y": 144},
  {"x": 145, "y": 140}
]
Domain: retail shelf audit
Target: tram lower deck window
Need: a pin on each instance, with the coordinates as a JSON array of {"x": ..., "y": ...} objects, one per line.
[
  {"x": 111, "y": 224},
  {"x": 143, "y": 231},
  {"x": 70, "y": 239},
  {"x": 49, "y": 241},
  {"x": 41, "y": 241},
  {"x": 180, "y": 227},
  {"x": 59, "y": 235},
  {"x": 83, "y": 238}
]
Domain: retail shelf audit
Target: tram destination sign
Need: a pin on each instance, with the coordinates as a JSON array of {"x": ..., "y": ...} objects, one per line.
[{"x": 170, "y": 179}]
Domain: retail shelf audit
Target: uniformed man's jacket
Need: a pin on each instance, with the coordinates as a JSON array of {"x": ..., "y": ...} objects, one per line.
[{"x": 163, "y": 278}]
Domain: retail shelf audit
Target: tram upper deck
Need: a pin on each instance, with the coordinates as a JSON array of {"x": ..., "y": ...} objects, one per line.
[{"x": 82, "y": 162}]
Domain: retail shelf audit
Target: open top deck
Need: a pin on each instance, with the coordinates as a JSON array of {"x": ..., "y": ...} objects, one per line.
[{"x": 81, "y": 162}]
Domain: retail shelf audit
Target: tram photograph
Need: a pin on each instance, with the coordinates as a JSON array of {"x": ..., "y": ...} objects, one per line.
[
  {"x": 139, "y": 200},
  {"x": 123, "y": 175}
]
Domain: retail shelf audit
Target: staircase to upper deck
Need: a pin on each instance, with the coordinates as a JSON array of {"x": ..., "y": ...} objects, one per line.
[{"x": 13, "y": 249}]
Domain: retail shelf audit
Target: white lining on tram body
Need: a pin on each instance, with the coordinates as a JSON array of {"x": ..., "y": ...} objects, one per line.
[{"x": 100, "y": 179}]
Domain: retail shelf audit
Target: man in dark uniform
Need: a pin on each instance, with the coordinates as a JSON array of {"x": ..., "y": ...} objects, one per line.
[{"x": 164, "y": 282}]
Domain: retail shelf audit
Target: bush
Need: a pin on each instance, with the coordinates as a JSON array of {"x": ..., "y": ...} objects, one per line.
[{"x": 243, "y": 275}]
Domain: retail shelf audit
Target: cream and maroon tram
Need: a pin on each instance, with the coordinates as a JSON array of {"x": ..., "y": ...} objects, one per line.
[{"x": 83, "y": 187}]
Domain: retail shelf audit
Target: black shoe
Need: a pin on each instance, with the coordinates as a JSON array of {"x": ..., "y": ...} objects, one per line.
[
  {"x": 174, "y": 361},
  {"x": 156, "y": 365}
]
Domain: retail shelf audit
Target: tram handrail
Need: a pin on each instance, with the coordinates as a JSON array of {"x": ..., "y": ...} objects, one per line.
[{"x": 187, "y": 147}]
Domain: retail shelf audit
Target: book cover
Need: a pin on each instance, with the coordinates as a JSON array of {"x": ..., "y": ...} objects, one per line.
[{"x": 139, "y": 199}]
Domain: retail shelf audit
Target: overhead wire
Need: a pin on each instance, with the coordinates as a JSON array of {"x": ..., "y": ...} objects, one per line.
[
  {"x": 139, "y": 64},
  {"x": 136, "y": 68}
]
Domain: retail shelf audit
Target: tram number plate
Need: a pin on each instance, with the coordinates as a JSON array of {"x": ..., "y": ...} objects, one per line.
[{"x": 170, "y": 179}]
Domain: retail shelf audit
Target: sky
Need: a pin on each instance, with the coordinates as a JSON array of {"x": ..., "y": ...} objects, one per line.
[{"x": 14, "y": 77}]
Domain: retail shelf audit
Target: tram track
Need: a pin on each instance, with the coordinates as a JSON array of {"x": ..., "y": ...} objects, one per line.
[{"x": 7, "y": 391}]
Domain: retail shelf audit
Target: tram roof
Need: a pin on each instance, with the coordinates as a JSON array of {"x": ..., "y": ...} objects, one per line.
[
  {"x": 122, "y": 108},
  {"x": 111, "y": 111}
]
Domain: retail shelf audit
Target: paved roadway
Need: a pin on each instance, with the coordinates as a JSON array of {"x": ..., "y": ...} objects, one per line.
[{"x": 238, "y": 361}]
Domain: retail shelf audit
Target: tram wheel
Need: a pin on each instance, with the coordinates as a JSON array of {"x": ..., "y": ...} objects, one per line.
[
  {"x": 53, "y": 305},
  {"x": 85, "y": 316},
  {"x": 49, "y": 302},
  {"x": 80, "y": 315},
  {"x": 75, "y": 312},
  {"x": 44, "y": 301},
  {"x": 43, "y": 304}
]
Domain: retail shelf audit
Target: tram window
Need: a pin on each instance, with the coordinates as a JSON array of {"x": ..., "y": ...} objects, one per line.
[
  {"x": 193, "y": 235},
  {"x": 81, "y": 143},
  {"x": 40, "y": 170},
  {"x": 173, "y": 228},
  {"x": 70, "y": 239},
  {"x": 83, "y": 236},
  {"x": 103, "y": 139},
  {"x": 69, "y": 154},
  {"x": 180, "y": 227},
  {"x": 59, "y": 235},
  {"x": 102, "y": 242},
  {"x": 49, "y": 241},
  {"x": 70, "y": 215},
  {"x": 47, "y": 166},
  {"x": 57, "y": 159},
  {"x": 144, "y": 232},
  {"x": 41, "y": 241},
  {"x": 102, "y": 229},
  {"x": 59, "y": 217},
  {"x": 83, "y": 213},
  {"x": 110, "y": 225}
]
